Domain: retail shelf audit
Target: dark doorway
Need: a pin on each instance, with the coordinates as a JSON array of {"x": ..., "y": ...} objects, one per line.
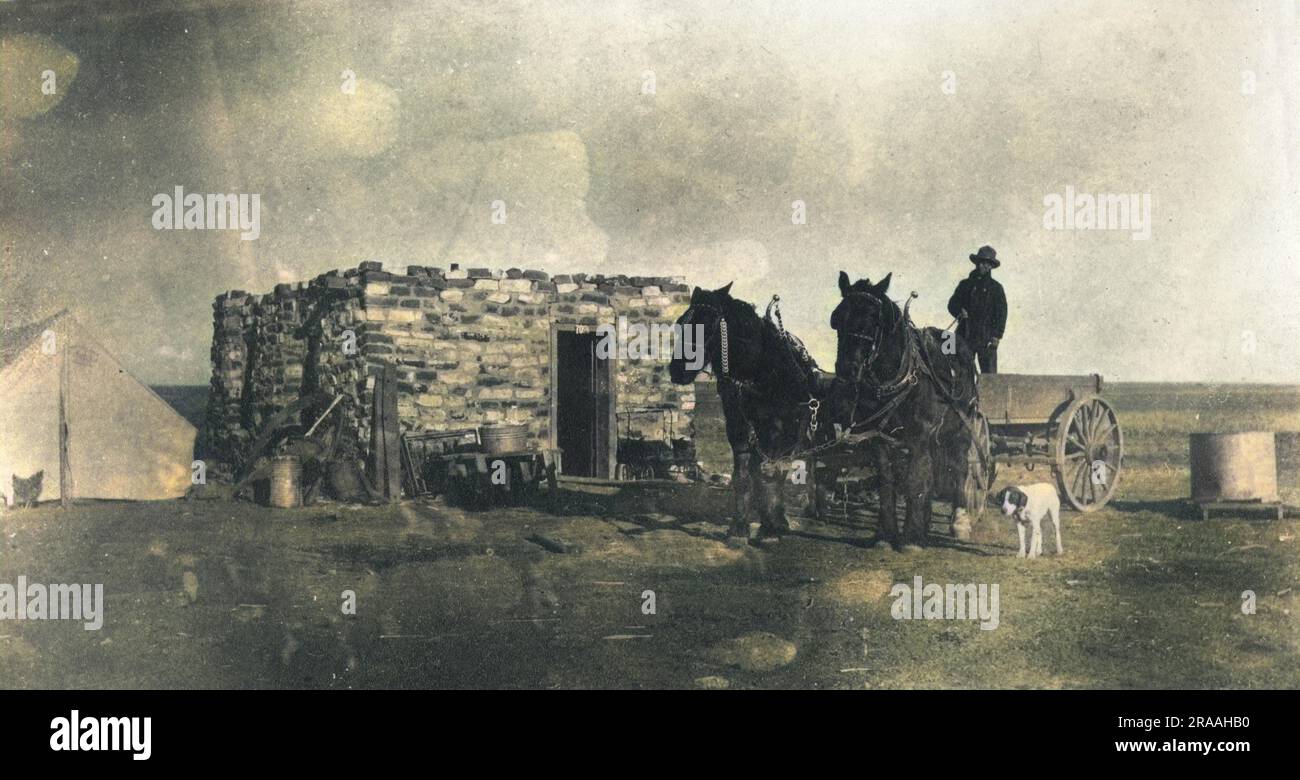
[{"x": 583, "y": 405}]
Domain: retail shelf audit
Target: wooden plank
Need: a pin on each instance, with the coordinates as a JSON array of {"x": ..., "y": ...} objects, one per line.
[
  {"x": 378, "y": 452},
  {"x": 553, "y": 370},
  {"x": 1030, "y": 398},
  {"x": 392, "y": 437},
  {"x": 607, "y": 400},
  {"x": 385, "y": 437},
  {"x": 624, "y": 483},
  {"x": 1277, "y": 508}
]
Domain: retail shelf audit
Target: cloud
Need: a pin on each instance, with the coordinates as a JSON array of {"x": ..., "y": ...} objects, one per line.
[
  {"x": 322, "y": 122},
  {"x": 36, "y": 73},
  {"x": 543, "y": 107}
]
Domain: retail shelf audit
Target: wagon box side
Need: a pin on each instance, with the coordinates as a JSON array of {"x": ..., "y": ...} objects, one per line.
[
  {"x": 1061, "y": 422},
  {"x": 1017, "y": 399}
]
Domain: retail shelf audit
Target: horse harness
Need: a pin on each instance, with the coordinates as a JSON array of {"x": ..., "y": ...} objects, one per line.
[
  {"x": 893, "y": 392},
  {"x": 912, "y": 365},
  {"x": 740, "y": 386}
]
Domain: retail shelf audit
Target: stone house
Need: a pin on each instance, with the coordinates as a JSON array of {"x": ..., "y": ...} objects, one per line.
[{"x": 470, "y": 346}]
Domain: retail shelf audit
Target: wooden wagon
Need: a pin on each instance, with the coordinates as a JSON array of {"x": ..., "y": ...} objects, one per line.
[{"x": 1059, "y": 423}]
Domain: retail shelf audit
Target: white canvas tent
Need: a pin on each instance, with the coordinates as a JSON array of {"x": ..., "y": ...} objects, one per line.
[{"x": 69, "y": 408}]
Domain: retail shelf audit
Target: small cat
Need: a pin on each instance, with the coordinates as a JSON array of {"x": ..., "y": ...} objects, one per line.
[{"x": 27, "y": 491}]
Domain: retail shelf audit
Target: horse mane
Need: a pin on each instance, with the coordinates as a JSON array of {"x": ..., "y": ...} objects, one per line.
[
  {"x": 788, "y": 344},
  {"x": 741, "y": 308}
]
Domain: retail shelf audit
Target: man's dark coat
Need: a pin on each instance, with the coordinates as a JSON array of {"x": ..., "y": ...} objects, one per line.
[{"x": 986, "y": 305}]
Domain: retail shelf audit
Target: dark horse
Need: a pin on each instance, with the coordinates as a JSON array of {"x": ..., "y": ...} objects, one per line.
[
  {"x": 770, "y": 389},
  {"x": 914, "y": 386}
]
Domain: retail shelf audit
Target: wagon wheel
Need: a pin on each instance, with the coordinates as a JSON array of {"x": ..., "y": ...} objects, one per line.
[
  {"x": 979, "y": 466},
  {"x": 1089, "y": 453}
]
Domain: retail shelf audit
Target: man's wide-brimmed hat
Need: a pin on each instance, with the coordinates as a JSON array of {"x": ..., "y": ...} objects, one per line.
[{"x": 986, "y": 254}]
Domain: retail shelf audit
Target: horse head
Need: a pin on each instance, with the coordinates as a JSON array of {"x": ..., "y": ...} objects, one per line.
[
  {"x": 696, "y": 329},
  {"x": 864, "y": 317}
]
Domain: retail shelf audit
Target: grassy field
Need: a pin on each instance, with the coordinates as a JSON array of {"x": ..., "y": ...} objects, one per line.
[{"x": 231, "y": 595}]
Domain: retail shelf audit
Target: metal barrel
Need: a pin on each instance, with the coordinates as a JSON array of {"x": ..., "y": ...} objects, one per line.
[
  {"x": 503, "y": 438},
  {"x": 1234, "y": 466},
  {"x": 286, "y": 483}
]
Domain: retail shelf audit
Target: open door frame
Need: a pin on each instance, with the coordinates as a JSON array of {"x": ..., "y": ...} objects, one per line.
[{"x": 611, "y": 372}]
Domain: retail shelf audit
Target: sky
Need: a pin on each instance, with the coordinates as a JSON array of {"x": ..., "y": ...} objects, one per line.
[{"x": 671, "y": 138}]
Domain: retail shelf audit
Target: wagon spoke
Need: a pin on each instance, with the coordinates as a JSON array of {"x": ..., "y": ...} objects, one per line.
[
  {"x": 1099, "y": 417},
  {"x": 1110, "y": 425},
  {"x": 1103, "y": 418},
  {"x": 1071, "y": 476},
  {"x": 1112, "y": 466},
  {"x": 1072, "y": 439},
  {"x": 1075, "y": 471},
  {"x": 1075, "y": 488},
  {"x": 1093, "y": 417}
]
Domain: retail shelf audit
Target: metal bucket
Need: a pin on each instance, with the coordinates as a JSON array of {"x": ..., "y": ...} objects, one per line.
[
  {"x": 1234, "y": 466},
  {"x": 503, "y": 438},
  {"x": 286, "y": 482}
]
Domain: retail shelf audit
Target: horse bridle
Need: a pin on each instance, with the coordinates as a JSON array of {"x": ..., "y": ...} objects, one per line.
[
  {"x": 906, "y": 376},
  {"x": 721, "y": 326},
  {"x": 875, "y": 339}
]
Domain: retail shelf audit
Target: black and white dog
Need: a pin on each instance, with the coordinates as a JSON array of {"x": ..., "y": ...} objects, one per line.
[{"x": 1028, "y": 505}]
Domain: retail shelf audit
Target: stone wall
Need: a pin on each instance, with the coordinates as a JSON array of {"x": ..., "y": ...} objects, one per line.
[{"x": 470, "y": 346}]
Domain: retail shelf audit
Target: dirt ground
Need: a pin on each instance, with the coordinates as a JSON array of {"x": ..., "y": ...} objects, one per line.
[{"x": 215, "y": 594}]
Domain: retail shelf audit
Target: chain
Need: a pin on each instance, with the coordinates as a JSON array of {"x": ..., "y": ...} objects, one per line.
[
  {"x": 774, "y": 308},
  {"x": 726, "y": 348}
]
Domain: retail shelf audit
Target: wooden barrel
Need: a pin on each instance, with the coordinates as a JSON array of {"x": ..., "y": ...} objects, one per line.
[
  {"x": 503, "y": 438},
  {"x": 1234, "y": 466},
  {"x": 286, "y": 482}
]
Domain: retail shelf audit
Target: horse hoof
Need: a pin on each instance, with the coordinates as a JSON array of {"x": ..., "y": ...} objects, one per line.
[
  {"x": 882, "y": 544},
  {"x": 912, "y": 548}
]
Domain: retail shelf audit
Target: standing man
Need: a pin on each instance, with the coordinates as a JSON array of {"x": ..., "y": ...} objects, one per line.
[{"x": 980, "y": 307}]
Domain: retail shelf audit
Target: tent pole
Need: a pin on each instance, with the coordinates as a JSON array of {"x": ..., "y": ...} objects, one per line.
[{"x": 65, "y": 464}]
